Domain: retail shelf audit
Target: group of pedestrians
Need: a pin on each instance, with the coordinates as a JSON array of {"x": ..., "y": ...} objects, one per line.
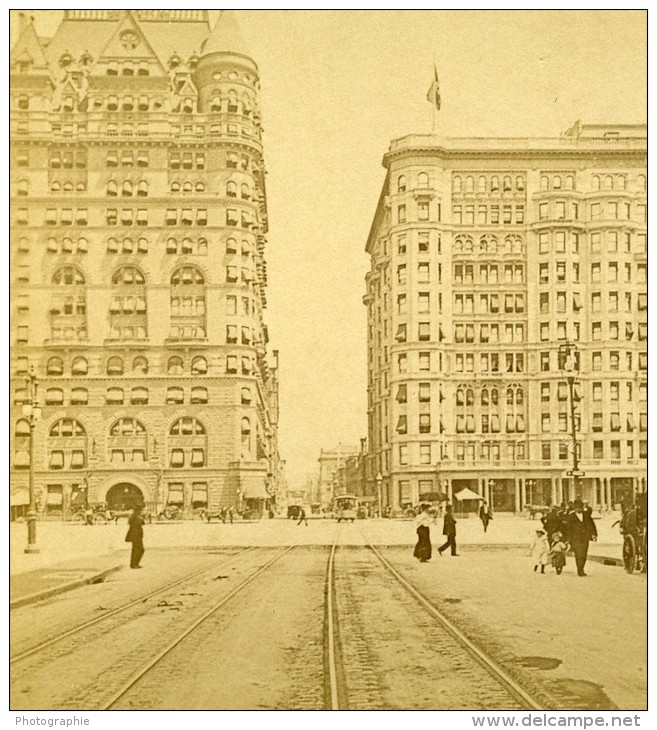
[
  {"x": 425, "y": 519},
  {"x": 564, "y": 527}
]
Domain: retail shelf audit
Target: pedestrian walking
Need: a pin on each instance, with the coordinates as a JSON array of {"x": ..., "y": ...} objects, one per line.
[
  {"x": 485, "y": 515},
  {"x": 539, "y": 550},
  {"x": 230, "y": 514},
  {"x": 302, "y": 516},
  {"x": 552, "y": 522},
  {"x": 449, "y": 529},
  {"x": 135, "y": 535},
  {"x": 558, "y": 552},
  {"x": 423, "y": 548},
  {"x": 580, "y": 530}
]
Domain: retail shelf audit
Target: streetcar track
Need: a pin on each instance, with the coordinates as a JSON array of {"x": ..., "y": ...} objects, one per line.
[
  {"x": 330, "y": 630},
  {"x": 480, "y": 656},
  {"x": 137, "y": 676},
  {"x": 124, "y": 607}
]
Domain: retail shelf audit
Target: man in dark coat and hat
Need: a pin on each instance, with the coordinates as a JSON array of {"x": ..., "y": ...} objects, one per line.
[
  {"x": 449, "y": 529},
  {"x": 580, "y": 530},
  {"x": 135, "y": 535}
]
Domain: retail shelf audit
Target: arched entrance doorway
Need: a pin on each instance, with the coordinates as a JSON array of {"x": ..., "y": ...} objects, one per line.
[{"x": 123, "y": 497}]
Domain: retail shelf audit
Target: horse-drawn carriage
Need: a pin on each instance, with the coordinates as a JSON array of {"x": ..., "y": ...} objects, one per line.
[{"x": 634, "y": 528}]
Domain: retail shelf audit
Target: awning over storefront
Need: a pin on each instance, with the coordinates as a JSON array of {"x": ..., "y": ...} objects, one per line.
[
  {"x": 20, "y": 498},
  {"x": 254, "y": 488},
  {"x": 467, "y": 494}
]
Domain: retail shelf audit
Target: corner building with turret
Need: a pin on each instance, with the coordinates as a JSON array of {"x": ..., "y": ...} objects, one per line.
[
  {"x": 497, "y": 265},
  {"x": 138, "y": 224}
]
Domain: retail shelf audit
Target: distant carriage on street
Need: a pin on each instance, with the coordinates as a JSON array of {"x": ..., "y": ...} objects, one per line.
[{"x": 634, "y": 528}]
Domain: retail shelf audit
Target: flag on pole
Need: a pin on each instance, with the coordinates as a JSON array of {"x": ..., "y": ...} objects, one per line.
[{"x": 433, "y": 95}]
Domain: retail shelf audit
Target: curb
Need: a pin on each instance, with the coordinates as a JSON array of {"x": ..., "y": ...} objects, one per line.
[{"x": 56, "y": 590}]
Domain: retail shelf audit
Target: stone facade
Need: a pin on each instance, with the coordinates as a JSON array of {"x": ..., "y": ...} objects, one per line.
[
  {"x": 495, "y": 265},
  {"x": 138, "y": 224}
]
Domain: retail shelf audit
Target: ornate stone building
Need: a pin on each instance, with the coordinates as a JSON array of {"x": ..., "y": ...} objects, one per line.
[
  {"x": 138, "y": 223},
  {"x": 497, "y": 264}
]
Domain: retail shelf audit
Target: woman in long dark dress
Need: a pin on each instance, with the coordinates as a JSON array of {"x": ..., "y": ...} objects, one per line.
[{"x": 423, "y": 548}]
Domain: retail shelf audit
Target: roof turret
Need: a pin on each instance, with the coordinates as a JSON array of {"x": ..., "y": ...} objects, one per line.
[{"x": 226, "y": 36}]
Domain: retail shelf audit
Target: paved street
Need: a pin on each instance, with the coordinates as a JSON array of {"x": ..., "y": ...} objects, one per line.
[{"x": 269, "y": 636}]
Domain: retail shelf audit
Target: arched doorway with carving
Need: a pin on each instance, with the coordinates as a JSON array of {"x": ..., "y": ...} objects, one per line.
[{"x": 124, "y": 496}]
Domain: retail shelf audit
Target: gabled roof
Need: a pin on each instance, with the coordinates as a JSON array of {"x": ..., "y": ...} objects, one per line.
[
  {"x": 28, "y": 48},
  {"x": 115, "y": 50},
  {"x": 226, "y": 36}
]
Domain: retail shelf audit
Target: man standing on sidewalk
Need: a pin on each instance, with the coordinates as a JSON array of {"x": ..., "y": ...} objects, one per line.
[
  {"x": 449, "y": 529},
  {"x": 136, "y": 536},
  {"x": 580, "y": 530}
]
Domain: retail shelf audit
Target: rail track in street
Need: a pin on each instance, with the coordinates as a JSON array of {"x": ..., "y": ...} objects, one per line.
[
  {"x": 337, "y": 628},
  {"x": 80, "y": 628}
]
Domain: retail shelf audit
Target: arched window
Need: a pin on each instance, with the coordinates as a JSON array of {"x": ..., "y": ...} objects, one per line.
[
  {"x": 232, "y": 101},
  {"x": 595, "y": 182},
  {"x": 140, "y": 365},
  {"x": 79, "y": 397},
  {"x": 556, "y": 182},
  {"x": 469, "y": 397},
  {"x": 507, "y": 184},
  {"x": 55, "y": 186},
  {"x": 641, "y": 181},
  {"x": 485, "y": 397},
  {"x": 494, "y": 183},
  {"x": 199, "y": 395},
  {"x": 570, "y": 182},
  {"x": 114, "y": 396},
  {"x": 199, "y": 366},
  {"x": 609, "y": 182},
  {"x": 79, "y": 366},
  {"x": 246, "y": 450},
  {"x": 231, "y": 189},
  {"x": 460, "y": 397},
  {"x": 520, "y": 183},
  {"x": 22, "y": 187},
  {"x": 519, "y": 396},
  {"x": 401, "y": 184},
  {"x": 200, "y": 187},
  {"x": 494, "y": 396},
  {"x": 187, "y": 443},
  {"x": 469, "y": 184},
  {"x": 175, "y": 365},
  {"x": 54, "y": 397},
  {"x": 142, "y": 188},
  {"x": 545, "y": 182},
  {"x": 114, "y": 366},
  {"x": 175, "y": 395},
  {"x": 112, "y": 188},
  {"x": 187, "y": 187},
  {"x": 510, "y": 397},
  {"x": 187, "y": 297},
  {"x": 139, "y": 396},
  {"x": 175, "y": 187},
  {"x": 67, "y": 445},
  {"x": 68, "y": 307},
  {"x": 457, "y": 184},
  {"x": 128, "y": 315},
  {"x": 126, "y": 189},
  {"x": 481, "y": 184},
  {"x": 55, "y": 366},
  {"x": 245, "y": 192},
  {"x": 423, "y": 180},
  {"x": 127, "y": 442},
  {"x": 22, "y": 445},
  {"x": 215, "y": 104}
]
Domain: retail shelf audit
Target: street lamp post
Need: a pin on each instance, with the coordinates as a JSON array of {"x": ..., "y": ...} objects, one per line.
[
  {"x": 491, "y": 493},
  {"x": 32, "y": 412},
  {"x": 566, "y": 351},
  {"x": 379, "y": 483}
]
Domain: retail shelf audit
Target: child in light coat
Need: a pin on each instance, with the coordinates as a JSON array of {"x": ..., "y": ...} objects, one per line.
[
  {"x": 540, "y": 550},
  {"x": 558, "y": 552}
]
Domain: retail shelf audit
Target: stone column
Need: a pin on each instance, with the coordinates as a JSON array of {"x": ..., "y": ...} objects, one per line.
[
  {"x": 553, "y": 490},
  {"x": 523, "y": 493},
  {"x": 516, "y": 506}
]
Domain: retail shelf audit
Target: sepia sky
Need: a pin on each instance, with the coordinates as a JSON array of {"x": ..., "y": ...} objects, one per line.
[{"x": 337, "y": 86}]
